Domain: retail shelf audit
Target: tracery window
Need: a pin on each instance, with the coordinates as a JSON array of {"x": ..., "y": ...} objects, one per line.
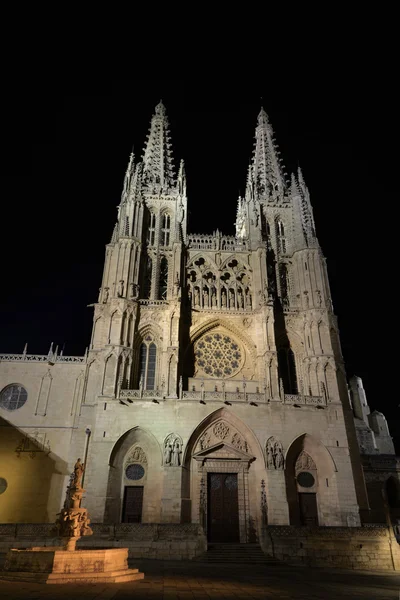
[
  {"x": 147, "y": 277},
  {"x": 147, "y": 363},
  {"x": 280, "y": 234},
  {"x": 151, "y": 232},
  {"x": 287, "y": 370},
  {"x": 165, "y": 229},
  {"x": 218, "y": 355},
  {"x": 163, "y": 279}
]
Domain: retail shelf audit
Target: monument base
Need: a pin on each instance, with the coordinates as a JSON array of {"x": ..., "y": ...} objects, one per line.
[{"x": 55, "y": 565}]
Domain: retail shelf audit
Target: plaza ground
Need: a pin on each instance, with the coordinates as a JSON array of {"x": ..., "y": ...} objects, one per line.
[{"x": 173, "y": 580}]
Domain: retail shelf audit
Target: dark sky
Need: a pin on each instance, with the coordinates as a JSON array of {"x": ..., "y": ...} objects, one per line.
[{"x": 60, "y": 206}]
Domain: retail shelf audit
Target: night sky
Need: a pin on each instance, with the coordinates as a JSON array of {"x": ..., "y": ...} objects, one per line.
[{"x": 63, "y": 203}]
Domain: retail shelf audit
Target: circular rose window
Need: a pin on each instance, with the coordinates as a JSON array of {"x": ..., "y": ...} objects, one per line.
[
  {"x": 305, "y": 479},
  {"x": 134, "y": 472},
  {"x": 13, "y": 396},
  {"x": 218, "y": 355}
]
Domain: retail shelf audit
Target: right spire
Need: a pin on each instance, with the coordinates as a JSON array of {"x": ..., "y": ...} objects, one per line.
[
  {"x": 268, "y": 176},
  {"x": 158, "y": 167}
]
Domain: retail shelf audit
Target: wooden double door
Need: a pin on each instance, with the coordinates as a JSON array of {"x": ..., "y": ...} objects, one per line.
[
  {"x": 133, "y": 504},
  {"x": 222, "y": 507},
  {"x": 308, "y": 509}
]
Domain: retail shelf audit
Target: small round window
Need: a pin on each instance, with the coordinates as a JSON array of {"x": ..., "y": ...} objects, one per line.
[
  {"x": 3, "y": 485},
  {"x": 305, "y": 479},
  {"x": 13, "y": 396},
  {"x": 134, "y": 472}
]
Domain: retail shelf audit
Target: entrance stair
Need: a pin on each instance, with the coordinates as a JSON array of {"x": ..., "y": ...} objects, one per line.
[{"x": 236, "y": 554}]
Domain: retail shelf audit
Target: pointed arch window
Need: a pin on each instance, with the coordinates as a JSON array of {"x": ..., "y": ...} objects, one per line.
[
  {"x": 284, "y": 283},
  {"x": 165, "y": 229},
  {"x": 163, "y": 280},
  {"x": 287, "y": 370},
  {"x": 151, "y": 232},
  {"x": 147, "y": 277},
  {"x": 147, "y": 363},
  {"x": 280, "y": 234}
]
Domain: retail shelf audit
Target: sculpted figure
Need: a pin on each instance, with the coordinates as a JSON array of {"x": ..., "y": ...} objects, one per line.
[
  {"x": 120, "y": 288},
  {"x": 105, "y": 295},
  {"x": 214, "y": 300},
  {"x": 205, "y": 298},
  {"x": 223, "y": 298},
  {"x": 168, "y": 454},
  {"x": 270, "y": 458},
  {"x": 78, "y": 472},
  {"x": 279, "y": 460},
  {"x": 176, "y": 460},
  {"x": 196, "y": 296}
]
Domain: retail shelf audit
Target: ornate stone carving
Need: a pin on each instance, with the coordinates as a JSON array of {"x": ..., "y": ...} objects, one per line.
[
  {"x": 239, "y": 443},
  {"x": 137, "y": 455},
  {"x": 205, "y": 440},
  {"x": 274, "y": 451},
  {"x": 221, "y": 430},
  {"x": 304, "y": 462},
  {"x": 173, "y": 450}
]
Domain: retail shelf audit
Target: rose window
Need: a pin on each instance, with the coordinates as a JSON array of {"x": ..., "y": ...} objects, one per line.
[{"x": 218, "y": 355}]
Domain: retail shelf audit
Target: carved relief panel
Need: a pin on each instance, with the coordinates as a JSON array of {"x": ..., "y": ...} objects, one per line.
[
  {"x": 274, "y": 453},
  {"x": 172, "y": 450},
  {"x": 221, "y": 431}
]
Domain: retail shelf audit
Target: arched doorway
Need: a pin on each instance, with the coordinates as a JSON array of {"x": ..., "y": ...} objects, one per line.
[
  {"x": 135, "y": 479},
  {"x": 222, "y": 469},
  {"x": 311, "y": 486}
]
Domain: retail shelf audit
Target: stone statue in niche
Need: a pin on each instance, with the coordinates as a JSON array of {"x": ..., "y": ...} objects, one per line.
[
  {"x": 172, "y": 450},
  {"x": 270, "y": 458},
  {"x": 319, "y": 298},
  {"x": 168, "y": 454},
  {"x": 120, "y": 291},
  {"x": 176, "y": 455},
  {"x": 223, "y": 298},
  {"x": 181, "y": 213},
  {"x": 279, "y": 459},
  {"x": 196, "y": 297},
  {"x": 275, "y": 458},
  {"x": 231, "y": 299},
  {"x": 214, "y": 300},
  {"x": 205, "y": 298},
  {"x": 307, "y": 299},
  {"x": 105, "y": 295}
]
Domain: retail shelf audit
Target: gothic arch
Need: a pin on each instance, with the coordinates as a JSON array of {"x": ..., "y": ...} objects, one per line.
[
  {"x": 114, "y": 333},
  {"x": 326, "y": 486},
  {"x": 151, "y": 328},
  {"x": 135, "y": 437},
  {"x": 230, "y": 417},
  {"x": 228, "y": 446},
  {"x": 241, "y": 264},
  {"x": 110, "y": 372}
]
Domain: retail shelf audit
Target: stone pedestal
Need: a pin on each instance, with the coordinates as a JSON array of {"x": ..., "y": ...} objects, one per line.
[{"x": 55, "y": 565}]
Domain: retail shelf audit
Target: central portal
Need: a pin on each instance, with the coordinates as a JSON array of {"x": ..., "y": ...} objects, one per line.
[{"x": 223, "y": 507}]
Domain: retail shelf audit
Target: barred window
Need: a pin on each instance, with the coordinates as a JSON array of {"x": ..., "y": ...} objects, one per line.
[
  {"x": 147, "y": 363},
  {"x": 13, "y": 397},
  {"x": 165, "y": 230}
]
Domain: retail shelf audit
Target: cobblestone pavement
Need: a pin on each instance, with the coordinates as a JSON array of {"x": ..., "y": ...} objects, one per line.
[{"x": 186, "y": 581}]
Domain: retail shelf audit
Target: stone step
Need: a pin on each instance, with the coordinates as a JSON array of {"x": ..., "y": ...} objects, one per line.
[{"x": 236, "y": 554}]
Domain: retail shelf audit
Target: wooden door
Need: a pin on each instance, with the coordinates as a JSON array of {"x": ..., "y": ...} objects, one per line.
[
  {"x": 133, "y": 504},
  {"x": 223, "y": 507},
  {"x": 308, "y": 509}
]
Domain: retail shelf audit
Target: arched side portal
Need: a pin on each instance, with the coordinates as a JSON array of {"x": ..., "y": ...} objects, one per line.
[
  {"x": 223, "y": 468},
  {"x": 134, "y": 486},
  {"x": 311, "y": 486}
]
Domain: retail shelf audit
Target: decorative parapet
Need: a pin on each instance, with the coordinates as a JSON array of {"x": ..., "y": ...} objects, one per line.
[
  {"x": 43, "y": 358},
  {"x": 141, "y": 394},
  {"x": 215, "y": 241},
  {"x": 153, "y": 302},
  {"x": 304, "y": 400}
]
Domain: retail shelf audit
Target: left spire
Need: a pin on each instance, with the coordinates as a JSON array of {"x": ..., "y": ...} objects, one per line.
[{"x": 158, "y": 168}]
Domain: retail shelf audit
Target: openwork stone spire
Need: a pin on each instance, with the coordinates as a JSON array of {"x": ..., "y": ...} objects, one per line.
[
  {"x": 267, "y": 170},
  {"x": 157, "y": 160},
  {"x": 128, "y": 176},
  {"x": 304, "y": 227}
]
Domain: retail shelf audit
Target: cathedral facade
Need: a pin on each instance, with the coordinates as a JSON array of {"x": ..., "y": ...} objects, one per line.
[{"x": 213, "y": 390}]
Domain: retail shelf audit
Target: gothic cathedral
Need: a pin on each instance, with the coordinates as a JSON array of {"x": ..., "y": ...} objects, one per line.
[{"x": 213, "y": 391}]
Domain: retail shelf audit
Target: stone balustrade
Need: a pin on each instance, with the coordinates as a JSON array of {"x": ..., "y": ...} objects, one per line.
[
  {"x": 44, "y": 358},
  {"x": 224, "y": 396}
]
